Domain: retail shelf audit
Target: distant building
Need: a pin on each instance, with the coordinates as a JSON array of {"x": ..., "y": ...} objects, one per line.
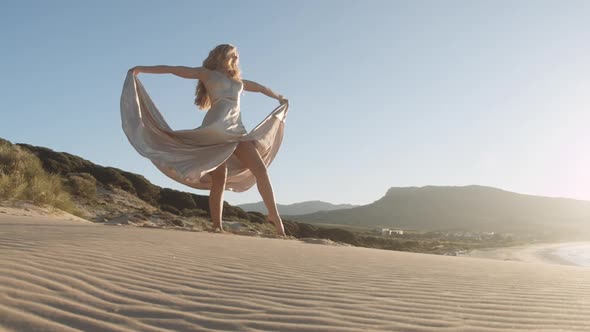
[{"x": 389, "y": 232}]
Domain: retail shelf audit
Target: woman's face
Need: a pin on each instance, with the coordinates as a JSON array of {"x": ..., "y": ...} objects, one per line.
[{"x": 231, "y": 59}]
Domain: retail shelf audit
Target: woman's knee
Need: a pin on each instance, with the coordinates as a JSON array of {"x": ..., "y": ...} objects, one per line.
[
  {"x": 220, "y": 173},
  {"x": 258, "y": 169}
]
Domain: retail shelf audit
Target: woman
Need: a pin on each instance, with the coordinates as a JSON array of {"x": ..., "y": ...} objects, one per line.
[{"x": 220, "y": 154}]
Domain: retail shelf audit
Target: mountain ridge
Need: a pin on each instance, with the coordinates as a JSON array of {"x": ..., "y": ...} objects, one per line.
[{"x": 461, "y": 207}]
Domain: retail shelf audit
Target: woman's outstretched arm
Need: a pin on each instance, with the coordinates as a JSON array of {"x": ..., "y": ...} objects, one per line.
[
  {"x": 199, "y": 73},
  {"x": 256, "y": 87}
]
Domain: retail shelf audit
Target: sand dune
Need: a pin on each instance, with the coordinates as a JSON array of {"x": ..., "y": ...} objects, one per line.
[{"x": 66, "y": 276}]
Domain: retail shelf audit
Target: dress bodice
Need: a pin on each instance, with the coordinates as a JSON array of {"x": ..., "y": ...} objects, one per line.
[
  {"x": 224, "y": 117},
  {"x": 221, "y": 87}
]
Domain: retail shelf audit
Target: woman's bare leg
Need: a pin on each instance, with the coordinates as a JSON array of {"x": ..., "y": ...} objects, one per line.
[
  {"x": 219, "y": 176},
  {"x": 247, "y": 153}
]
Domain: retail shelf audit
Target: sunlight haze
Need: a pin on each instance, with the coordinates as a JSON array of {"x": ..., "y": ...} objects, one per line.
[{"x": 382, "y": 93}]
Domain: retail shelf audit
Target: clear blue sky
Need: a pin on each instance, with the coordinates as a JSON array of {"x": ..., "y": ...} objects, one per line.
[{"x": 382, "y": 93}]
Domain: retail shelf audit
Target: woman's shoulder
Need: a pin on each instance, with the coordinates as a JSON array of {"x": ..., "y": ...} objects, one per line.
[{"x": 203, "y": 74}]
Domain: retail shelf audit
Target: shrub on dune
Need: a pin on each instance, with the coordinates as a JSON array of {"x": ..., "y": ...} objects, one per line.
[
  {"x": 82, "y": 184},
  {"x": 22, "y": 178}
]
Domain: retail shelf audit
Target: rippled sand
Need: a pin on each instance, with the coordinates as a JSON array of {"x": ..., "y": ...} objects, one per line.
[{"x": 67, "y": 275}]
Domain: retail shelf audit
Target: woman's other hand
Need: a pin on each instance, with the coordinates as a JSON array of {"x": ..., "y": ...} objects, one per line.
[{"x": 283, "y": 100}]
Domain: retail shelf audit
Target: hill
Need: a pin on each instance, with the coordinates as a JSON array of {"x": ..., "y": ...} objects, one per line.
[
  {"x": 470, "y": 208},
  {"x": 107, "y": 193},
  {"x": 113, "y": 196}
]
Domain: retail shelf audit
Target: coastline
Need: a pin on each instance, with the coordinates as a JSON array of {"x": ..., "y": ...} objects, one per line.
[{"x": 548, "y": 253}]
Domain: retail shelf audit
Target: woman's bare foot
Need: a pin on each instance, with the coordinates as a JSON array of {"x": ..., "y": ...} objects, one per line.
[
  {"x": 276, "y": 220},
  {"x": 217, "y": 228}
]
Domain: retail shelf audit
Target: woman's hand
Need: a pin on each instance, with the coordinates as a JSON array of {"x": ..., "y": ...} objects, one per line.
[
  {"x": 283, "y": 100},
  {"x": 135, "y": 70}
]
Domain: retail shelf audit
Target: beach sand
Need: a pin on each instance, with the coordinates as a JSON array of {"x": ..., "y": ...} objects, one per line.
[{"x": 66, "y": 275}]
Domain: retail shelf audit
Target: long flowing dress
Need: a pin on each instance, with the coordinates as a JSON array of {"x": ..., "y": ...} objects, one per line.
[{"x": 187, "y": 156}]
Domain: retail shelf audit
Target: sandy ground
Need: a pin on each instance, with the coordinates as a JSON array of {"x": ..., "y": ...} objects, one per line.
[
  {"x": 65, "y": 275},
  {"x": 47, "y": 213}
]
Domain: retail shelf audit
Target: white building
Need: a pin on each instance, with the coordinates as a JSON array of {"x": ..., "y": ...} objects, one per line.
[{"x": 388, "y": 232}]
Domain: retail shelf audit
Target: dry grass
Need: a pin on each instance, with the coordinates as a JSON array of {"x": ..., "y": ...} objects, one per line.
[
  {"x": 22, "y": 178},
  {"x": 82, "y": 184}
]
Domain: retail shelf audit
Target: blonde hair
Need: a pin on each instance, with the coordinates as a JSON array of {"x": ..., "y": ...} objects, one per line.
[{"x": 215, "y": 58}]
